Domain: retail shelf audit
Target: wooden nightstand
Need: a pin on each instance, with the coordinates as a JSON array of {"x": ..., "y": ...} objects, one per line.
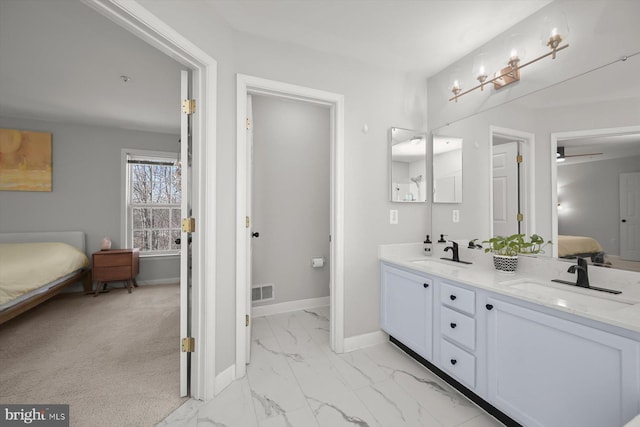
[{"x": 117, "y": 265}]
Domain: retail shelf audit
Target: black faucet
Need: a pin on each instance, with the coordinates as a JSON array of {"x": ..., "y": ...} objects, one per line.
[
  {"x": 456, "y": 255},
  {"x": 454, "y": 248},
  {"x": 583, "y": 277}
]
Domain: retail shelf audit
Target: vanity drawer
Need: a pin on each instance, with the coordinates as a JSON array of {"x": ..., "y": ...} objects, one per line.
[
  {"x": 458, "y": 327},
  {"x": 458, "y": 363},
  {"x": 458, "y": 298}
]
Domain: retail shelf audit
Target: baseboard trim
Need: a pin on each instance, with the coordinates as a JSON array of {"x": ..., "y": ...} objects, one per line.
[
  {"x": 167, "y": 281},
  {"x": 224, "y": 378},
  {"x": 286, "y": 307},
  {"x": 365, "y": 340}
]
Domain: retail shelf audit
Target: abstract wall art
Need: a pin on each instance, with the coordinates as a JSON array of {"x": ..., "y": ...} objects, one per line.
[{"x": 25, "y": 160}]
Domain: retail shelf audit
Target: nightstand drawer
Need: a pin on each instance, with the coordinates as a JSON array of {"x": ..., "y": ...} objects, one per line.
[
  {"x": 112, "y": 273},
  {"x": 111, "y": 260}
]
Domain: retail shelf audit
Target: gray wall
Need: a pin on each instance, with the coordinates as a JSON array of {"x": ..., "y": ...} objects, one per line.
[
  {"x": 590, "y": 200},
  {"x": 377, "y": 97},
  {"x": 86, "y": 192},
  {"x": 291, "y": 197}
]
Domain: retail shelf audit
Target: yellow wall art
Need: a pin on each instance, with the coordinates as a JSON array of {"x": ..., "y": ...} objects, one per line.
[{"x": 25, "y": 160}]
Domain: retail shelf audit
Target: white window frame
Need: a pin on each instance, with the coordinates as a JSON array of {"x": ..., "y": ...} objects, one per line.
[{"x": 126, "y": 213}]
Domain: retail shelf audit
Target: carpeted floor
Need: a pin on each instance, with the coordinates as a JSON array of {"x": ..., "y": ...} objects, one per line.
[{"x": 114, "y": 358}]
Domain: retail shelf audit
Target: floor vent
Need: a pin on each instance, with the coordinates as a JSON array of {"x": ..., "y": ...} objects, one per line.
[{"x": 263, "y": 292}]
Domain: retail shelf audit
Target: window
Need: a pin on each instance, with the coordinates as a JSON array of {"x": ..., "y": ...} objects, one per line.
[{"x": 152, "y": 203}]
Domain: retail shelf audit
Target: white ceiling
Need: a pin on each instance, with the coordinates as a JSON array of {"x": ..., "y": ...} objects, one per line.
[{"x": 63, "y": 61}]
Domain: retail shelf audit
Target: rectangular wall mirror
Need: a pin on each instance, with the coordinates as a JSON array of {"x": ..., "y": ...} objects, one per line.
[
  {"x": 447, "y": 169},
  {"x": 408, "y": 165}
]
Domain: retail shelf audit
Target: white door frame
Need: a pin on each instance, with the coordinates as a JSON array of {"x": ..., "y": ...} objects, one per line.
[
  {"x": 561, "y": 136},
  {"x": 133, "y": 17},
  {"x": 528, "y": 175},
  {"x": 255, "y": 85}
]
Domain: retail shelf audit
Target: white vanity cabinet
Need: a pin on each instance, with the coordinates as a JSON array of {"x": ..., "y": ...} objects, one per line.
[
  {"x": 544, "y": 370},
  {"x": 406, "y": 308},
  {"x": 456, "y": 339}
]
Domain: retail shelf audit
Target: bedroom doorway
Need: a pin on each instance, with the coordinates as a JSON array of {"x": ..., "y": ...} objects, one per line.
[{"x": 136, "y": 19}]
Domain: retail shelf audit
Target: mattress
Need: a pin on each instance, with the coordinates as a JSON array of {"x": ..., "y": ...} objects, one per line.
[
  {"x": 25, "y": 267},
  {"x": 574, "y": 245}
]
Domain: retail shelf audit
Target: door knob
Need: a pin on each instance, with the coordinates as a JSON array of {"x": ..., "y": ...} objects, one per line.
[{"x": 255, "y": 234}]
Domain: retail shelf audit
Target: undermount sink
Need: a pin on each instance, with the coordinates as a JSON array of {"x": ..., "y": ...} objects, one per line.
[
  {"x": 431, "y": 261},
  {"x": 570, "y": 297}
]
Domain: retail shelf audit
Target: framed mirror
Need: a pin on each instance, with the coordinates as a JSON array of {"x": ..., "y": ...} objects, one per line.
[
  {"x": 447, "y": 169},
  {"x": 407, "y": 165}
]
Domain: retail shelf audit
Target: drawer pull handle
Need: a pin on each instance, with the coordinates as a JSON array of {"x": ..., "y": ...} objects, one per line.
[
  {"x": 454, "y": 361},
  {"x": 426, "y": 285},
  {"x": 453, "y": 325},
  {"x": 452, "y": 297},
  {"x": 489, "y": 306}
]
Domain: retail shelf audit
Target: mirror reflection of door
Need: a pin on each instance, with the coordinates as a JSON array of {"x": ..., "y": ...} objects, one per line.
[{"x": 506, "y": 187}]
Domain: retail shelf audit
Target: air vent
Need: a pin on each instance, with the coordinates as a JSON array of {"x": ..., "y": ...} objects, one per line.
[{"x": 262, "y": 292}]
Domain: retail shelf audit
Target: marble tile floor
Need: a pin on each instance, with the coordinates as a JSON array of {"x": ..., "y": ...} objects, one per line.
[{"x": 295, "y": 380}]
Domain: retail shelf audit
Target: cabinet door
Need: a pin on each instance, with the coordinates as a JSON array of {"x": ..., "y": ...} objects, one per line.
[
  {"x": 547, "y": 371},
  {"x": 406, "y": 302}
]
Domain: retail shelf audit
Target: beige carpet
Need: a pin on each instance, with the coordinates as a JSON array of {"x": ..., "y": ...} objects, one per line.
[{"x": 113, "y": 359}]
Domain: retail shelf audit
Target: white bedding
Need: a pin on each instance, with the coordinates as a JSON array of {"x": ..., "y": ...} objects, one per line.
[{"x": 28, "y": 266}]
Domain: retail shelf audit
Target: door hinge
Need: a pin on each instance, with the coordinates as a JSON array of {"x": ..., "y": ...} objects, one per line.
[
  {"x": 248, "y": 123},
  {"x": 188, "y": 345},
  {"x": 247, "y": 222},
  {"x": 520, "y": 217},
  {"x": 519, "y": 158},
  {"x": 246, "y": 320},
  {"x": 189, "y": 106},
  {"x": 189, "y": 225}
]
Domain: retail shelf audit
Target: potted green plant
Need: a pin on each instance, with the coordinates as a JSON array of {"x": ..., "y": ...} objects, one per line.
[{"x": 506, "y": 249}]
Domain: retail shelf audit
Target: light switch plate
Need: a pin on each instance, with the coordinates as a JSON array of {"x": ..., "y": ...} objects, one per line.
[
  {"x": 456, "y": 215},
  {"x": 393, "y": 216}
]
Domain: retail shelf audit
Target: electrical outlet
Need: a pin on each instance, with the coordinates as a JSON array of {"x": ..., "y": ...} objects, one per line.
[
  {"x": 393, "y": 216},
  {"x": 456, "y": 215}
]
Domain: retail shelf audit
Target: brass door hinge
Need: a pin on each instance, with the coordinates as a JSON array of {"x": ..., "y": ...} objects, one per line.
[
  {"x": 248, "y": 123},
  {"x": 189, "y": 225},
  {"x": 520, "y": 217},
  {"x": 519, "y": 158},
  {"x": 188, "y": 345},
  {"x": 247, "y": 222},
  {"x": 189, "y": 106},
  {"x": 246, "y": 320}
]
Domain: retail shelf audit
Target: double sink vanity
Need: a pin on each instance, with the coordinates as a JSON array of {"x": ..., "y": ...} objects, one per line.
[{"x": 531, "y": 351}]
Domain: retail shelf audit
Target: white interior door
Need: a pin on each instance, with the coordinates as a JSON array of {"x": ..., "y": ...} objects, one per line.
[
  {"x": 630, "y": 216},
  {"x": 250, "y": 233},
  {"x": 185, "y": 246},
  {"x": 505, "y": 189}
]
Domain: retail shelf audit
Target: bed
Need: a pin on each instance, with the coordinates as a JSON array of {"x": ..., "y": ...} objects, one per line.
[
  {"x": 36, "y": 266},
  {"x": 580, "y": 247}
]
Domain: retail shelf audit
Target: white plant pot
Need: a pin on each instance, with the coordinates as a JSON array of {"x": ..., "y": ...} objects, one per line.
[{"x": 505, "y": 263}]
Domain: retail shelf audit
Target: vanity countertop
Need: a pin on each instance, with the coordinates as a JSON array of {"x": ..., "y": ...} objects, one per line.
[{"x": 532, "y": 282}]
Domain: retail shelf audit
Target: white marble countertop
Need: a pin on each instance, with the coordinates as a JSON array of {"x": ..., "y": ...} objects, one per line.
[{"x": 532, "y": 281}]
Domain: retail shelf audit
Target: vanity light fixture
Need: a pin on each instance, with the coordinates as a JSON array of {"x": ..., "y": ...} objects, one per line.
[{"x": 511, "y": 73}]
